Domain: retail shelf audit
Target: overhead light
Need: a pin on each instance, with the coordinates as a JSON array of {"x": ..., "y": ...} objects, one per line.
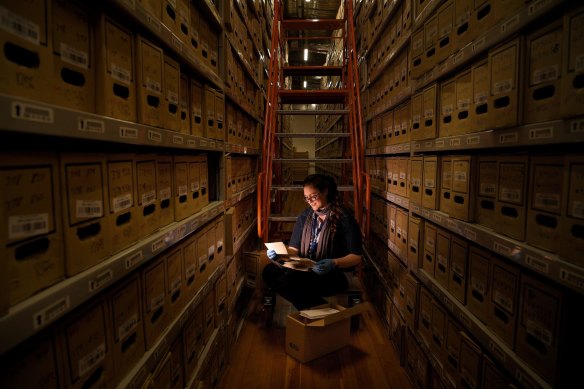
[
  {"x": 304, "y": 84},
  {"x": 306, "y": 54}
]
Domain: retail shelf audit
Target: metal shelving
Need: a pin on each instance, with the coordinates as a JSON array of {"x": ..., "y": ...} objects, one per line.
[
  {"x": 549, "y": 265},
  {"x": 239, "y": 242},
  {"x": 236, "y": 198},
  {"x": 38, "y": 311}
]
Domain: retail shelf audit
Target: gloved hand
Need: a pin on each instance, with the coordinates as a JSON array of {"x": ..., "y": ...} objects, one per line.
[
  {"x": 324, "y": 266},
  {"x": 272, "y": 256}
]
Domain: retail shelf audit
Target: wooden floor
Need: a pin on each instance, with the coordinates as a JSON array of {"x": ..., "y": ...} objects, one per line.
[{"x": 259, "y": 359}]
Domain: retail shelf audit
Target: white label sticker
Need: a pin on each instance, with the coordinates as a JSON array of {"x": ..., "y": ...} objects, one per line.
[
  {"x": 429, "y": 183},
  {"x": 128, "y": 133},
  {"x": 154, "y": 136},
  {"x": 537, "y": 5},
  {"x": 19, "y": 26},
  {"x": 101, "y": 280},
  {"x": 149, "y": 197},
  {"x": 501, "y": 248},
  {"x": 122, "y": 202},
  {"x": 429, "y": 113},
  {"x": 32, "y": 112},
  {"x": 50, "y": 313},
  {"x": 503, "y": 300},
  {"x": 473, "y": 140},
  {"x": 455, "y": 142},
  {"x": 511, "y": 137},
  {"x": 539, "y": 332},
  {"x": 156, "y": 302},
  {"x": 503, "y": 86},
  {"x": 577, "y": 126},
  {"x": 439, "y": 143},
  {"x": 481, "y": 98},
  {"x": 541, "y": 133},
  {"x": 463, "y": 104},
  {"x": 134, "y": 260},
  {"x": 89, "y": 208},
  {"x": 121, "y": 74},
  {"x": 545, "y": 74},
  {"x": 91, "y": 360},
  {"x": 470, "y": 234},
  {"x": 478, "y": 284},
  {"x": 74, "y": 56},
  {"x": 547, "y": 200},
  {"x": 488, "y": 188},
  {"x": 91, "y": 125},
  {"x": 24, "y": 226},
  {"x": 165, "y": 193},
  {"x": 571, "y": 278},
  {"x": 509, "y": 194},
  {"x": 178, "y": 140},
  {"x": 172, "y": 97},
  {"x": 460, "y": 176},
  {"x": 128, "y": 326},
  {"x": 158, "y": 245},
  {"x": 153, "y": 86}
]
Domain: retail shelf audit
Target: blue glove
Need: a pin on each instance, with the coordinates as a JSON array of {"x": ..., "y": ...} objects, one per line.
[
  {"x": 324, "y": 266},
  {"x": 272, "y": 256}
]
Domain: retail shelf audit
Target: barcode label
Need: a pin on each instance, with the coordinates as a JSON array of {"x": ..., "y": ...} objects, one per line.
[
  {"x": 202, "y": 260},
  {"x": 100, "y": 280},
  {"x": 134, "y": 259},
  {"x": 487, "y": 188},
  {"x": 154, "y": 136},
  {"x": 165, "y": 193},
  {"x": 122, "y": 202},
  {"x": 572, "y": 278},
  {"x": 541, "y": 133},
  {"x": 545, "y": 74},
  {"x": 503, "y": 300},
  {"x": 429, "y": 183},
  {"x": 501, "y": 248},
  {"x": 447, "y": 109},
  {"x": 460, "y": 176},
  {"x": 481, "y": 98},
  {"x": 428, "y": 113},
  {"x": 74, "y": 56},
  {"x": 547, "y": 200},
  {"x": 578, "y": 209},
  {"x": 91, "y": 360},
  {"x": 463, "y": 104},
  {"x": 24, "y": 226},
  {"x": 158, "y": 245},
  {"x": 153, "y": 86},
  {"x": 149, "y": 197},
  {"x": 128, "y": 133},
  {"x": 512, "y": 137},
  {"x": 19, "y": 26},
  {"x": 539, "y": 332},
  {"x": 50, "y": 313},
  {"x": 33, "y": 113},
  {"x": 91, "y": 125},
  {"x": 156, "y": 302},
  {"x": 508, "y": 194},
  {"x": 503, "y": 86},
  {"x": 121, "y": 74},
  {"x": 416, "y": 119},
  {"x": 478, "y": 285},
  {"x": 128, "y": 326},
  {"x": 178, "y": 140},
  {"x": 190, "y": 271},
  {"x": 89, "y": 208}
]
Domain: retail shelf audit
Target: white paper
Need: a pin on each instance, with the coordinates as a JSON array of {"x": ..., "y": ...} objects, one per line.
[
  {"x": 318, "y": 313},
  {"x": 278, "y": 247}
]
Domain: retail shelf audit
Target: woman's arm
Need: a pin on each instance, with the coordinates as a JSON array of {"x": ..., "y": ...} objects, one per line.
[{"x": 347, "y": 261}]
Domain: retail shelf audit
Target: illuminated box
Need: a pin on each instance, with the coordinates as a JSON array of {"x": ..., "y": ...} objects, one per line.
[
  {"x": 209, "y": 119},
  {"x": 416, "y": 180},
  {"x": 431, "y": 182},
  {"x": 180, "y": 192},
  {"x": 462, "y": 120},
  {"x": 463, "y": 178},
  {"x": 429, "y": 105},
  {"x": 175, "y": 296},
  {"x": 445, "y": 31},
  {"x": 184, "y": 105},
  {"x": 446, "y": 184},
  {"x": 164, "y": 188},
  {"x": 415, "y": 239},
  {"x": 429, "y": 257}
]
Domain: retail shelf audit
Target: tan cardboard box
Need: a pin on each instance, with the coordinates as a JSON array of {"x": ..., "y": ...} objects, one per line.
[
  {"x": 573, "y": 221},
  {"x": 547, "y": 199},
  {"x": 230, "y": 230},
  {"x": 406, "y": 17},
  {"x": 544, "y": 70},
  {"x": 162, "y": 374},
  {"x": 425, "y": 317},
  {"x": 171, "y": 119},
  {"x": 446, "y": 184},
  {"x": 417, "y": 53},
  {"x": 438, "y": 327},
  {"x": 184, "y": 104},
  {"x": 87, "y": 235},
  {"x": 572, "y": 68},
  {"x": 484, "y": 16},
  {"x": 406, "y": 123},
  {"x": 208, "y": 315},
  {"x": 175, "y": 282},
  {"x": 493, "y": 377},
  {"x": 416, "y": 237},
  {"x": 150, "y": 82},
  {"x": 487, "y": 188},
  {"x": 209, "y": 119},
  {"x": 32, "y": 254},
  {"x": 447, "y": 108},
  {"x": 429, "y": 258},
  {"x": 464, "y": 31},
  {"x": 153, "y": 7},
  {"x": 202, "y": 259},
  {"x": 254, "y": 263},
  {"x": 114, "y": 71},
  {"x": 183, "y": 21},
  {"x": 220, "y": 114},
  {"x": 478, "y": 287},
  {"x": 204, "y": 36},
  {"x": 430, "y": 42},
  {"x": 463, "y": 177},
  {"x": 429, "y": 105},
  {"x": 210, "y": 238},
  {"x": 73, "y": 81},
  {"x": 27, "y": 29},
  {"x": 481, "y": 82},
  {"x": 194, "y": 184},
  {"x": 503, "y": 304},
  {"x": 193, "y": 341},
  {"x": 401, "y": 233},
  {"x": 189, "y": 267},
  {"x": 169, "y": 16},
  {"x": 402, "y": 181},
  {"x": 147, "y": 196},
  {"x": 443, "y": 252},
  {"x": 121, "y": 206},
  {"x": 182, "y": 204},
  {"x": 164, "y": 188},
  {"x": 462, "y": 121},
  {"x": 307, "y": 340},
  {"x": 196, "y": 109},
  {"x": 452, "y": 349},
  {"x": 219, "y": 241},
  {"x": 392, "y": 222},
  {"x": 231, "y": 124},
  {"x": 213, "y": 39},
  {"x": 457, "y": 274},
  {"x": 195, "y": 39},
  {"x": 470, "y": 363},
  {"x": 431, "y": 184},
  {"x": 221, "y": 298},
  {"x": 86, "y": 358},
  {"x": 511, "y": 196},
  {"x": 506, "y": 74},
  {"x": 412, "y": 295},
  {"x": 125, "y": 325},
  {"x": 445, "y": 31},
  {"x": 411, "y": 355},
  {"x": 204, "y": 176},
  {"x": 154, "y": 303}
]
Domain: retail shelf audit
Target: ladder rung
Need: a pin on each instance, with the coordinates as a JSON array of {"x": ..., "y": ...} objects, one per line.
[
  {"x": 312, "y": 71},
  {"x": 312, "y": 134},
  {"x": 282, "y": 218},
  {"x": 314, "y": 96},
  {"x": 313, "y": 24},
  {"x": 340, "y": 188},
  {"x": 312, "y": 112},
  {"x": 312, "y": 160}
]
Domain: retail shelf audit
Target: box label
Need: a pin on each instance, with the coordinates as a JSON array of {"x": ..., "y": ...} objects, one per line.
[
  {"x": 545, "y": 74},
  {"x": 128, "y": 326},
  {"x": 547, "y": 200},
  {"x": 24, "y": 226},
  {"x": 89, "y": 208},
  {"x": 91, "y": 360},
  {"x": 165, "y": 193},
  {"x": 153, "y": 86},
  {"x": 121, "y": 74},
  {"x": 508, "y": 194},
  {"x": 32, "y": 112},
  {"x": 539, "y": 332},
  {"x": 122, "y": 202},
  {"x": 74, "y": 56},
  {"x": 19, "y": 26},
  {"x": 156, "y": 302},
  {"x": 149, "y": 197}
]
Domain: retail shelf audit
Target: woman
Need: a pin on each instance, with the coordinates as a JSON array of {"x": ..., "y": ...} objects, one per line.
[{"x": 326, "y": 233}]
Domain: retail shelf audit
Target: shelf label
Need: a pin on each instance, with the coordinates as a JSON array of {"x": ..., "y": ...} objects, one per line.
[
  {"x": 158, "y": 245},
  {"x": 465, "y": 320},
  {"x": 417, "y": 146},
  {"x": 571, "y": 278},
  {"x": 91, "y": 125},
  {"x": 473, "y": 140},
  {"x": 478, "y": 44},
  {"x": 100, "y": 280},
  {"x": 191, "y": 143},
  {"x": 212, "y": 144},
  {"x": 510, "y": 23},
  {"x": 439, "y": 143},
  {"x": 511, "y": 137},
  {"x": 134, "y": 259},
  {"x": 437, "y": 218},
  {"x": 128, "y": 133},
  {"x": 32, "y": 112},
  {"x": 178, "y": 140},
  {"x": 541, "y": 133},
  {"x": 537, "y": 5},
  {"x": 195, "y": 225},
  {"x": 458, "y": 57},
  {"x": 577, "y": 125},
  {"x": 203, "y": 143},
  {"x": 538, "y": 264},
  {"x": 91, "y": 360},
  {"x": 138, "y": 378},
  {"x": 452, "y": 224},
  {"x": 50, "y": 313},
  {"x": 501, "y": 248},
  {"x": 455, "y": 142},
  {"x": 497, "y": 351},
  {"x": 154, "y": 136}
]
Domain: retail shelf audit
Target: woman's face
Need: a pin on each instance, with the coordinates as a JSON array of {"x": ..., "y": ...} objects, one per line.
[{"x": 315, "y": 198}]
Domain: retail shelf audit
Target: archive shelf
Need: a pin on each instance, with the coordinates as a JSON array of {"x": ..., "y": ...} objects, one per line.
[
  {"x": 239, "y": 149},
  {"x": 402, "y": 148},
  {"x": 389, "y": 57},
  {"x": 239, "y": 243},
  {"x": 244, "y": 62},
  {"x": 403, "y": 202},
  {"x": 245, "y": 108},
  {"x": 393, "y": 102},
  {"x": 384, "y": 22},
  {"x": 38, "y": 311}
]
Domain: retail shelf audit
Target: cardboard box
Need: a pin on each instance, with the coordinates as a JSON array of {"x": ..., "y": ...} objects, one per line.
[
  {"x": 429, "y": 104},
  {"x": 254, "y": 263},
  {"x": 446, "y": 184},
  {"x": 438, "y": 328},
  {"x": 445, "y": 31},
  {"x": 503, "y": 304},
  {"x": 464, "y": 32},
  {"x": 219, "y": 227},
  {"x": 415, "y": 234},
  {"x": 196, "y": 109},
  {"x": 463, "y": 177},
  {"x": 204, "y": 177},
  {"x": 86, "y": 229},
  {"x": 480, "y": 110},
  {"x": 406, "y": 123},
  {"x": 511, "y": 196},
  {"x": 154, "y": 303},
  {"x": 194, "y": 199},
  {"x": 221, "y": 299},
  {"x": 484, "y": 16},
  {"x": 478, "y": 288},
  {"x": 189, "y": 267},
  {"x": 169, "y": 16},
  {"x": 153, "y": 7},
  {"x": 544, "y": 66},
  {"x": 401, "y": 234},
  {"x": 452, "y": 352},
  {"x": 572, "y": 97},
  {"x": 171, "y": 119},
  {"x": 547, "y": 196},
  {"x": 430, "y": 195},
  {"x": 193, "y": 341},
  {"x": 202, "y": 259},
  {"x": 430, "y": 42},
  {"x": 184, "y": 105},
  {"x": 457, "y": 274},
  {"x": 487, "y": 188},
  {"x": 425, "y": 317},
  {"x": 462, "y": 121},
  {"x": 125, "y": 325},
  {"x": 417, "y": 53},
  {"x": 573, "y": 221},
  {"x": 442, "y": 264},
  {"x": 210, "y": 239},
  {"x": 416, "y": 180},
  {"x": 429, "y": 258},
  {"x": 195, "y": 39},
  {"x": 183, "y": 21},
  {"x": 149, "y": 82},
  {"x": 73, "y": 81},
  {"x": 505, "y": 71},
  {"x": 220, "y": 114},
  {"x": 114, "y": 71},
  {"x": 402, "y": 181},
  {"x": 148, "y": 202},
  {"x": 173, "y": 262},
  {"x": 412, "y": 296},
  {"x": 27, "y": 28},
  {"x": 164, "y": 188},
  {"x": 86, "y": 356},
  {"x": 470, "y": 363},
  {"x": 182, "y": 204},
  {"x": 177, "y": 363},
  {"x": 307, "y": 340},
  {"x": 447, "y": 105},
  {"x": 208, "y": 315},
  {"x": 32, "y": 233},
  {"x": 121, "y": 207}
]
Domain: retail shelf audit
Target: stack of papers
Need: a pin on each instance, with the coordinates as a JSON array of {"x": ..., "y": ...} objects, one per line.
[{"x": 318, "y": 313}]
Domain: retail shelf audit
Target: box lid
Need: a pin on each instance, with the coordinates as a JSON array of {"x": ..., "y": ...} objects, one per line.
[{"x": 344, "y": 313}]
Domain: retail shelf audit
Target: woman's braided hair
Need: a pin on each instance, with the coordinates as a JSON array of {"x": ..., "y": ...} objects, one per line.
[{"x": 326, "y": 183}]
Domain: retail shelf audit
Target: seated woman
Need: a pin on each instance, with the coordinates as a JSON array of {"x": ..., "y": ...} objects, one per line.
[{"x": 327, "y": 233}]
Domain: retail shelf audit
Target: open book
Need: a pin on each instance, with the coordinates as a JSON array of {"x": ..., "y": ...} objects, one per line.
[{"x": 289, "y": 261}]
